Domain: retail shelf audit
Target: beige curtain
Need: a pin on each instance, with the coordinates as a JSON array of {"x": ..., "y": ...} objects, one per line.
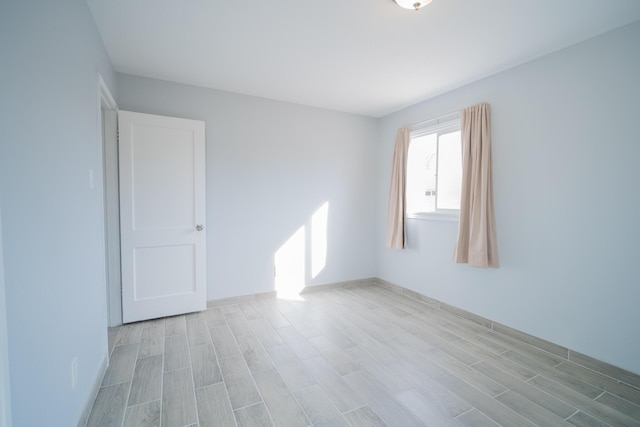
[
  {"x": 396, "y": 235},
  {"x": 477, "y": 244}
]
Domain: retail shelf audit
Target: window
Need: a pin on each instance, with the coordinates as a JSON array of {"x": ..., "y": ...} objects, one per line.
[{"x": 434, "y": 170}]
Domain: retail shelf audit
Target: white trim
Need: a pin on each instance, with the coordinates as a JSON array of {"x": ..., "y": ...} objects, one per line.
[
  {"x": 112, "y": 215},
  {"x": 453, "y": 216},
  {"x": 104, "y": 95},
  {"x": 446, "y": 127},
  {"x": 347, "y": 284},
  {"x": 440, "y": 119},
  {"x": 440, "y": 125},
  {"x": 94, "y": 392},
  {"x": 434, "y": 125},
  {"x": 107, "y": 164}
]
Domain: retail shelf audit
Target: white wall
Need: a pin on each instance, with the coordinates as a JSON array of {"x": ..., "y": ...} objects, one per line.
[
  {"x": 565, "y": 147},
  {"x": 565, "y": 156},
  {"x": 270, "y": 166},
  {"x": 52, "y": 233}
]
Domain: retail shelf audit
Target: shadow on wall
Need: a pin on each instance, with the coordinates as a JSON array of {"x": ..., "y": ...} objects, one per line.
[{"x": 303, "y": 256}]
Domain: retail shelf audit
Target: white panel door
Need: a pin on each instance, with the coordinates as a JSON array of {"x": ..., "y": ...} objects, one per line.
[{"x": 162, "y": 214}]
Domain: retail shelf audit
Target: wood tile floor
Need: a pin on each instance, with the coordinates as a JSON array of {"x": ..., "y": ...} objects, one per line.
[{"x": 347, "y": 357}]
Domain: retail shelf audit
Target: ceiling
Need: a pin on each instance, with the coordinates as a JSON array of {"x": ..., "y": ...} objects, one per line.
[{"x": 368, "y": 57}]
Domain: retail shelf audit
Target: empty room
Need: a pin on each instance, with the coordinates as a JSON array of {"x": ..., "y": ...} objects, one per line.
[{"x": 336, "y": 213}]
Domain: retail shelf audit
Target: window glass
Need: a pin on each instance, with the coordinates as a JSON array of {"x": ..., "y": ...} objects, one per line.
[
  {"x": 434, "y": 170},
  {"x": 421, "y": 173},
  {"x": 449, "y": 170}
]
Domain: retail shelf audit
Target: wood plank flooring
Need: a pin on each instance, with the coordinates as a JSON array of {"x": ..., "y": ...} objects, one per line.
[{"x": 362, "y": 356}]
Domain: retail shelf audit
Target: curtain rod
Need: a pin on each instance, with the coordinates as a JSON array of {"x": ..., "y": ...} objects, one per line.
[{"x": 435, "y": 119}]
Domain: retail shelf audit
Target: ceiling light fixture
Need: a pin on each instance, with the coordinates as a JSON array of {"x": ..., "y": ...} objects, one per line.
[{"x": 412, "y": 4}]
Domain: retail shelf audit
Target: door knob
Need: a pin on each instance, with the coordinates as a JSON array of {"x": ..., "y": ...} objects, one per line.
[{"x": 199, "y": 227}]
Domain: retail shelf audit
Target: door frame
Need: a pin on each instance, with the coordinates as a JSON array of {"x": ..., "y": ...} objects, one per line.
[{"x": 107, "y": 111}]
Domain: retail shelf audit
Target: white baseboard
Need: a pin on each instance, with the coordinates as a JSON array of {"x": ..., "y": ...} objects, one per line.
[{"x": 94, "y": 392}]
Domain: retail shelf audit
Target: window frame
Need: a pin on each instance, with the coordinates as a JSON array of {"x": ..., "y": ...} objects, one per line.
[{"x": 441, "y": 125}]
